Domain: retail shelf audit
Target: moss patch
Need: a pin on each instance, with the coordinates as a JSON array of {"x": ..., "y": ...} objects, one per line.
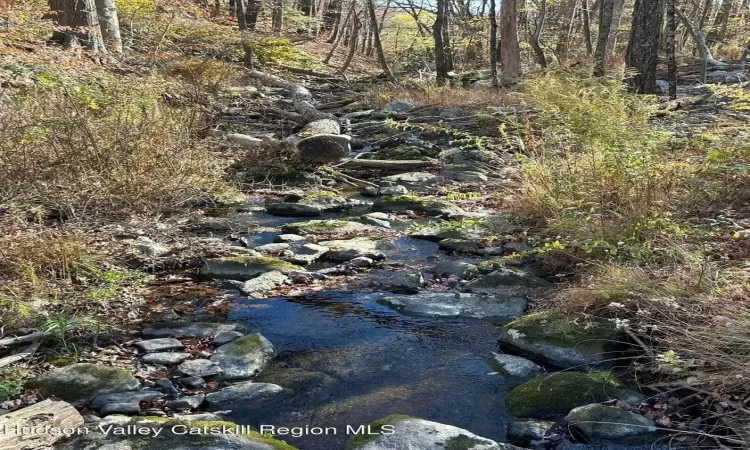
[
  {"x": 561, "y": 328},
  {"x": 244, "y": 345},
  {"x": 360, "y": 440},
  {"x": 558, "y": 393},
  {"x": 244, "y": 267},
  {"x": 80, "y": 382},
  {"x": 462, "y": 442},
  {"x": 416, "y": 203}
]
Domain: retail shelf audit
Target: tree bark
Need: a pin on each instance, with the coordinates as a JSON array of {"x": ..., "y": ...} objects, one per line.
[
  {"x": 441, "y": 61},
  {"x": 603, "y": 41},
  {"x": 110, "y": 24},
  {"x": 340, "y": 33},
  {"x": 252, "y": 11},
  {"x": 719, "y": 28},
  {"x": 671, "y": 49},
  {"x": 586, "y": 14},
  {"x": 510, "y": 51},
  {"x": 566, "y": 30},
  {"x": 356, "y": 24},
  {"x": 80, "y": 21},
  {"x": 378, "y": 44},
  {"x": 536, "y": 38},
  {"x": 493, "y": 46},
  {"x": 643, "y": 48},
  {"x": 278, "y": 16}
]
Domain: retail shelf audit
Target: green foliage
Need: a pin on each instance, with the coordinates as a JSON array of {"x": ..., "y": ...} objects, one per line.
[
  {"x": 279, "y": 51},
  {"x": 12, "y": 379}
]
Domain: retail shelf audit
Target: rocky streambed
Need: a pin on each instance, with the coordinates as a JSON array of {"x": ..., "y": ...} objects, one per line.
[{"x": 403, "y": 306}]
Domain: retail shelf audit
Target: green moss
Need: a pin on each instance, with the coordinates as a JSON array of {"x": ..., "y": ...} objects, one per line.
[
  {"x": 360, "y": 440},
  {"x": 314, "y": 226},
  {"x": 318, "y": 197},
  {"x": 95, "y": 379},
  {"x": 561, "y": 328},
  {"x": 244, "y": 345},
  {"x": 462, "y": 442},
  {"x": 413, "y": 202},
  {"x": 558, "y": 393}
]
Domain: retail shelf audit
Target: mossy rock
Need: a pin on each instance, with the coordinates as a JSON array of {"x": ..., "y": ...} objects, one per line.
[
  {"x": 555, "y": 394},
  {"x": 423, "y": 205},
  {"x": 213, "y": 434},
  {"x": 561, "y": 340},
  {"x": 597, "y": 422},
  {"x": 243, "y": 268},
  {"x": 329, "y": 228},
  {"x": 78, "y": 383},
  {"x": 468, "y": 229},
  {"x": 404, "y": 432},
  {"x": 244, "y": 357}
]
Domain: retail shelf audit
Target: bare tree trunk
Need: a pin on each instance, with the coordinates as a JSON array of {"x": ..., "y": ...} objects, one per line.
[
  {"x": 378, "y": 44},
  {"x": 586, "y": 13},
  {"x": 493, "y": 46},
  {"x": 356, "y": 24},
  {"x": 341, "y": 27},
  {"x": 278, "y": 16},
  {"x": 536, "y": 38},
  {"x": 241, "y": 11},
  {"x": 441, "y": 62},
  {"x": 510, "y": 51},
  {"x": 643, "y": 47},
  {"x": 566, "y": 29},
  {"x": 603, "y": 41},
  {"x": 704, "y": 50},
  {"x": 81, "y": 22},
  {"x": 252, "y": 11},
  {"x": 110, "y": 25},
  {"x": 671, "y": 49},
  {"x": 719, "y": 28}
]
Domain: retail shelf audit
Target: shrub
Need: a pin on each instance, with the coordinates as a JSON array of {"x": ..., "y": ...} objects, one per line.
[{"x": 110, "y": 148}]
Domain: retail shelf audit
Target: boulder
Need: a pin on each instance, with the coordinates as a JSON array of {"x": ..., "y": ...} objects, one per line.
[
  {"x": 461, "y": 245},
  {"x": 529, "y": 432},
  {"x": 555, "y": 394},
  {"x": 404, "y": 432},
  {"x": 186, "y": 403},
  {"x": 458, "y": 269},
  {"x": 449, "y": 304},
  {"x": 80, "y": 382},
  {"x": 275, "y": 247},
  {"x": 599, "y": 422},
  {"x": 410, "y": 177},
  {"x": 329, "y": 228},
  {"x": 345, "y": 250},
  {"x": 242, "y": 394},
  {"x": 199, "y": 368},
  {"x": 509, "y": 282},
  {"x": 289, "y": 238},
  {"x": 264, "y": 283},
  {"x": 243, "y": 268},
  {"x": 120, "y": 408},
  {"x": 226, "y": 336},
  {"x": 559, "y": 340},
  {"x": 398, "y": 106},
  {"x": 398, "y": 281},
  {"x": 294, "y": 209},
  {"x": 518, "y": 369},
  {"x": 308, "y": 254},
  {"x": 422, "y": 205},
  {"x": 244, "y": 357}
]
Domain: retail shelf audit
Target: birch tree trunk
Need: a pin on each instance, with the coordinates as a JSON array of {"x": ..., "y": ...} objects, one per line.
[{"x": 110, "y": 24}]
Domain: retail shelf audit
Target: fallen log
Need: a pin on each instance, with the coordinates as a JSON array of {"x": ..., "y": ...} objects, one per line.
[
  {"x": 320, "y": 139},
  {"x": 25, "y": 353},
  {"x": 25, "y": 428},
  {"x": 7, "y": 342},
  {"x": 386, "y": 164}
]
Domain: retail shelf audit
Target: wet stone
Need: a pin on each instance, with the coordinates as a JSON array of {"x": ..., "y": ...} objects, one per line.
[
  {"x": 199, "y": 368},
  {"x": 159, "y": 345},
  {"x": 186, "y": 403},
  {"x": 187, "y": 329},
  {"x": 120, "y": 408},
  {"x": 165, "y": 358},
  {"x": 226, "y": 336},
  {"x": 246, "y": 393},
  {"x": 101, "y": 401},
  {"x": 192, "y": 382}
]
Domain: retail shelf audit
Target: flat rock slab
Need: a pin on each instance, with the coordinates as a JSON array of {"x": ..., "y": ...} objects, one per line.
[
  {"x": 264, "y": 283},
  {"x": 518, "y": 369},
  {"x": 200, "y": 368},
  {"x": 187, "y": 329},
  {"x": 170, "y": 434},
  {"x": 244, "y": 268},
  {"x": 422, "y": 205},
  {"x": 449, "y": 304},
  {"x": 600, "y": 422},
  {"x": 80, "y": 382},
  {"x": 159, "y": 345},
  {"x": 528, "y": 432},
  {"x": 100, "y": 401},
  {"x": 410, "y": 177},
  {"x": 558, "y": 340},
  {"x": 165, "y": 358},
  {"x": 345, "y": 250},
  {"x": 330, "y": 228},
  {"x": 244, "y": 394},
  {"x": 243, "y": 358},
  {"x": 226, "y": 336},
  {"x": 418, "y": 434},
  {"x": 120, "y": 408},
  {"x": 186, "y": 403},
  {"x": 510, "y": 282}
]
